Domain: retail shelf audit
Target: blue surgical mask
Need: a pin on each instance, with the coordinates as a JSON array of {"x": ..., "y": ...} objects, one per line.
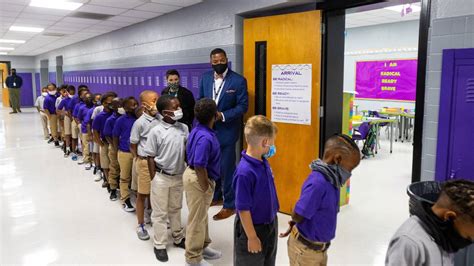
[{"x": 271, "y": 152}]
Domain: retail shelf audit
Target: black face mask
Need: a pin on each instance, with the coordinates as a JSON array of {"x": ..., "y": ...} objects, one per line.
[
  {"x": 443, "y": 232},
  {"x": 220, "y": 68}
]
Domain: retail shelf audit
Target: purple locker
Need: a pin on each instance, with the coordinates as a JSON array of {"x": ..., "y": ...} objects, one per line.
[
  {"x": 26, "y": 91},
  {"x": 455, "y": 151},
  {"x": 38, "y": 84}
]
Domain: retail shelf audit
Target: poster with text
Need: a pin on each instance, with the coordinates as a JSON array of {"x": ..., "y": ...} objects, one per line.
[
  {"x": 291, "y": 93},
  {"x": 387, "y": 80}
]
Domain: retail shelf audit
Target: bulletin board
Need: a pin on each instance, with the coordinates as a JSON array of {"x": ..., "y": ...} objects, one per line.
[{"x": 386, "y": 79}]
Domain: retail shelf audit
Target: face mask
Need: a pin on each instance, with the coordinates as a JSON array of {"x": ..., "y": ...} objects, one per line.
[
  {"x": 53, "y": 92},
  {"x": 178, "y": 114},
  {"x": 343, "y": 174},
  {"x": 271, "y": 152},
  {"x": 98, "y": 103},
  {"x": 121, "y": 111},
  {"x": 44, "y": 94},
  {"x": 220, "y": 68},
  {"x": 173, "y": 86},
  {"x": 70, "y": 96}
]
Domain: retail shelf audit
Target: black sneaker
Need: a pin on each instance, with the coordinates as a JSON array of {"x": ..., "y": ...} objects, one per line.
[
  {"x": 161, "y": 254},
  {"x": 127, "y": 206},
  {"x": 66, "y": 154},
  {"x": 50, "y": 140},
  {"x": 95, "y": 170},
  {"x": 56, "y": 144},
  {"x": 181, "y": 244},
  {"x": 113, "y": 195}
]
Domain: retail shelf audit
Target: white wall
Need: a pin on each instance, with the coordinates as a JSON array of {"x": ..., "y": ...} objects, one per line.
[
  {"x": 20, "y": 63},
  {"x": 378, "y": 37}
]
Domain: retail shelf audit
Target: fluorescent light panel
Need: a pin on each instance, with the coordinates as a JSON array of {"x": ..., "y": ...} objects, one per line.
[
  {"x": 399, "y": 8},
  {"x": 55, "y": 4},
  {"x": 26, "y": 29},
  {"x": 11, "y": 41},
  {"x": 3, "y": 53},
  {"x": 7, "y": 48}
]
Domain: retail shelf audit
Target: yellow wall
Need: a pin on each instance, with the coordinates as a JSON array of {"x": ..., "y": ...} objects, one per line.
[{"x": 5, "y": 98}]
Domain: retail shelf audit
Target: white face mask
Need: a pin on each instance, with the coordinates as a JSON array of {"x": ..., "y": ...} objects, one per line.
[
  {"x": 70, "y": 96},
  {"x": 53, "y": 92},
  {"x": 44, "y": 94},
  {"x": 178, "y": 114},
  {"x": 121, "y": 111}
]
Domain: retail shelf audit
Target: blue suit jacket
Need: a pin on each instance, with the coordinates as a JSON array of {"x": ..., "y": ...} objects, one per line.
[{"x": 233, "y": 103}]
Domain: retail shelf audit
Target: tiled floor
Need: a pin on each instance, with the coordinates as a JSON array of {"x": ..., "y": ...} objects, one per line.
[{"x": 52, "y": 212}]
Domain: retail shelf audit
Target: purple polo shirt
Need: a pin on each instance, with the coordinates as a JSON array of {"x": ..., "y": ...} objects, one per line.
[
  {"x": 64, "y": 103},
  {"x": 82, "y": 117},
  {"x": 122, "y": 129},
  {"x": 254, "y": 189},
  {"x": 87, "y": 120},
  {"x": 109, "y": 124},
  {"x": 50, "y": 104},
  {"x": 319, "y": 205},
  {"x": 72, "y": 104},
  {"x": 78, "y": 107},
  {"x": 99, "y": 122},
  {"x": 203, "y": 150},
  {"x": 82, "y": 112}
]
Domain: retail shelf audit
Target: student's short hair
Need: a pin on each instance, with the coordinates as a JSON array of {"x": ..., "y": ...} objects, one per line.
[
  {"x": 204, "y": 110},
  {"x": 52, "y": 84},
  {"x": 342, "y": 142},
  {"x": 109, "y": 94},
  {"x": 257, "y": 127},
  {"x": 44, "y": 88},
  {"x": 13, "y": 69},
  {"x": 164, "y": 102},
  {"x": 145, "y": 93},
  {"x": 96, "y": 94},
  {"x": 128, "y": 99},
  {"x": 71, "y": 88},
  {"x": 172, "y": 72},
  {"x": 82, "y": 86},
  {"x": 218, "y": 51},
  {"x": 63, "y": 87},
  {"x": 461, "y": 194}
]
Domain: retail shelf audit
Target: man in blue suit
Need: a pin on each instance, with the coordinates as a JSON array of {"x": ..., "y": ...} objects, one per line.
[{"x": 229, "y": 90}]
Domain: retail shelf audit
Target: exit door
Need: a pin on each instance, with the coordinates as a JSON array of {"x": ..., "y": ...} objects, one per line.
[{"x": 455, "y": 145}]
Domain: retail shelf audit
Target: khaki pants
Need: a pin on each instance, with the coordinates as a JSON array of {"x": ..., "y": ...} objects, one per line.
[
  {"x": 301, "y": 255},
  {"x": 143, "y": 176},
  {"x": 44, "y": 123},
  {"x": 125, "y": 160},
  {"x": 14, "y": 95},
  {"x": 166, "y": 201},
  {"x": 197, "y": 230},
  {"x": 114, "y": 168},
  {"x": 61, "y": 126},
  {"x": 86, "y": 153},
  {"x": 53, "y": 125},
  {"x": 67, "y": 125},
  {"x": 134, "y": 185},
  {"x": 104, "y": 156},
  {"x": 74, "y": 129}
]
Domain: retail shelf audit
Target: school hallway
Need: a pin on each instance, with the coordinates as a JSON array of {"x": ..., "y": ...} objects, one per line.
[{"x": 52, "y": 211}]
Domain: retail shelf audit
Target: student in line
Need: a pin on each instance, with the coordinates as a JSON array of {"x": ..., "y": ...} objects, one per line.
[
  {"x": 315, "y": 213},
  {"x": 50, "y": 110},
  {"x": 138, "y": 139},
  {"x": 114, "y": 168},
  {"x": 436, "y": 232},
  {"x": 87, "y": 122},
  {"x": 85, "y": 127},
  {"x": 199, "y": 181},
  {"x": 121, "y": 134},
  {"x": 81, "y": 90},
  {"x": 166, "y": 151},
  {"x": 256, "y": 225},
  {"x": 71, "y": 90},
  {"x": 98, "y": 133},
  {"x": 98, "y": 108},
  {"x": 39, "y": 104},
  {"x": 62, "y": 95}
]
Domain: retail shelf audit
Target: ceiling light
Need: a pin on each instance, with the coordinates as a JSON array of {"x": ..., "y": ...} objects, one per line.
[
  {"x": 3, "y": 53},
  {"x": 56, "y": 4},
  {"x": 11, "y": 41},
  {"x": 26, "y": 29},
  {"x": 400, "y": 8},
  {"x": 7, "y": 48}
]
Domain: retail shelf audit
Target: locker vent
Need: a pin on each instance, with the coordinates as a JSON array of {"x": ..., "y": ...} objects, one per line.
[{"x": 470, "y": 91}]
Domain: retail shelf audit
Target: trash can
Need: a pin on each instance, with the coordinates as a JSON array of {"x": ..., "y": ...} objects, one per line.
[{"x": 426, "y": 191}]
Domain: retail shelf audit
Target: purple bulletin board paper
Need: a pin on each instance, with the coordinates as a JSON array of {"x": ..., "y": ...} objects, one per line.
[{"x": 387, "y": 79}]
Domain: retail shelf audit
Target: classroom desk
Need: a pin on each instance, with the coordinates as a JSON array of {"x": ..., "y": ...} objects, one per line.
[{"x": 377, "y": 121}]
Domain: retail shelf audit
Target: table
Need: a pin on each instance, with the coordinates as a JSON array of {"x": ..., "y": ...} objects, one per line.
[{"x": 377, "y": 121}]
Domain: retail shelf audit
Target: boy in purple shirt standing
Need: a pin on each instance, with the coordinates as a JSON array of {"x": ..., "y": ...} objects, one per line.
[
  {"x": 315, "y": 213},
  {"x": 85, "y": 127},
  {"x": 82, "y": 89},
  {"x": 63, "y": 105},
  {"x": 121, "y": 136},
  {"x": 114, "y": 168},
  {"x": 256, "y": 225},
  {"x": 50, "y": 110},
  {"x": 199, "y": 180}
]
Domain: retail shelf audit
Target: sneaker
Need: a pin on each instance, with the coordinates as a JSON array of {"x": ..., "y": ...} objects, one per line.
[
  {"x": 66, "y": 154},
  {"x": 50, "y": 140},
  {"x": 98, "y": 178},
  {"x": 73, "y": 156},
  {"x": 211, "y": 254},
  {"x": 105, "y": 184},
  {"x": 142, "y": 233},
  {"x": 127, "y": 206},
  {"x": 161, "y": 254},
  {"x": 147, "y": 218},
  {"x": 201, "y": 263},
  {"x": 181, "y": 244},
  {"x": 81, "y": 163},
  {"x": 89, "y": 167},
  {"x": 56, "y": 144},
  {"x": 113, "y": 195}
]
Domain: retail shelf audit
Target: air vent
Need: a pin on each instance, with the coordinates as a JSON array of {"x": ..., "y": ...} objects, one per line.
[
  {"x": 53, "y": 34},
  {"x": 90, "y": 15}
]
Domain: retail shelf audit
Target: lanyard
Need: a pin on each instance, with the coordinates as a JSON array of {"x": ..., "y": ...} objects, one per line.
[{"x": 218, "y": 92}]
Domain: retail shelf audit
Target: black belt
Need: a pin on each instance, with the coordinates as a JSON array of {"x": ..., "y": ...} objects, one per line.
[
  {"x": 161, "y": 171},
  {"x": 310, "y": 244},
  {"x": 141, "y": 157}
]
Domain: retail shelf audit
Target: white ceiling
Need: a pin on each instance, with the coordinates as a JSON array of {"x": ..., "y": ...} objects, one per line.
[
  {"x": 125, "y": 13},
  {"x": 378, "y": 16}
]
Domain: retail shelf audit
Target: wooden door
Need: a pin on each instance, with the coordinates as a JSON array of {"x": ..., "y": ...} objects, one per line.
[{"x": 290, "y": 39}]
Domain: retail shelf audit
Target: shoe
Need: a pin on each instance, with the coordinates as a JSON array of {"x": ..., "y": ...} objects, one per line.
[
  {"x": 19, "y": 110},
  {"x": 223, "y": 214},
  {"x": 105, "y": 184},
  {"x": 147, "y": 217},
  {"x": 56, "y": 144},
  {"x": 73, "y": 156},
  {"x": 13, "y": 112},
  {"x": 89, "y": 167},
  {"x": 217, "y": 203},
  {"x": 95, "y": 170},
  {"x": 201, "y": 263},
  {"x": 113, "y": 195},
  {"x": 50, "y": 140},
  {"x": 127, "y": 206},
  {"x": 81, "y": 163},
  {"x": 66, "y": 154},
  {"x": 98, "y": 178},
  {"x": 181, "y": 244},
  {"x": 161, "y": 254},
  {"x": 142, "y": 233},
  {"x": 211, "y": 254}
]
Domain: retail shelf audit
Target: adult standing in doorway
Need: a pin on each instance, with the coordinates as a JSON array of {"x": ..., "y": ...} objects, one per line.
[
  {"x": 185, "y": 96},
  {"x": 14, "y": 83},
  {"x": 229, "y": 90}
]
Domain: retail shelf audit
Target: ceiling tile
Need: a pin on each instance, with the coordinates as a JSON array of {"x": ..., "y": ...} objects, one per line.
[
  {"x": 159, "y": 8},
  {"x": 83, "y": 21},
  {"x": 102, "y": 9},
  {"x": 126, "y": 19},
  {"x": 114, "y": 23},
  {"x": 25, "y": 15},
  {"x": 141, "y": 14},
  {"x": 46, "y": 11},
  {"x": 117, "y": 3},
  {"x": 181, "y": 3},
  {"x": 7, "y": 8}
]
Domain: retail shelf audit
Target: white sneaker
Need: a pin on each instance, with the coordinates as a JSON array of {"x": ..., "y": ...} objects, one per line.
[
  {"x": 98, "y": 178},
  {"x": 211, "y": 254},
  {"x": 202, "y": 263}
]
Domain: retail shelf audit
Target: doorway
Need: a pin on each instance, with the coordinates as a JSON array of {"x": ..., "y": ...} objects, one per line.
[{"x": 4, "y": 72}]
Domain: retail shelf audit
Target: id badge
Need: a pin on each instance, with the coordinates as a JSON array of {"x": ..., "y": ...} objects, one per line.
[{"x": 14, "y": 84}]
